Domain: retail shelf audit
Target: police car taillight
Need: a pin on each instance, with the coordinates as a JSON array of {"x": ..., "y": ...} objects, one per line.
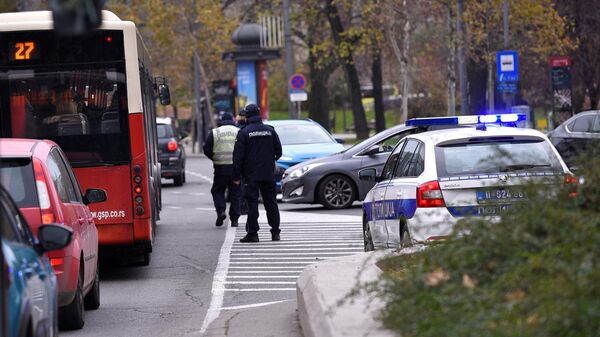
[
  {"x": 572, "y": 182},
  {"x": 172, "y": 145},
  {"x": 429, "y": 194}
]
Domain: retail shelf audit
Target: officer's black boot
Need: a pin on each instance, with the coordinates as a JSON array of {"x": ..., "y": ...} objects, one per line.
[
  {"x": 275, "y": 237},
  {"x": 249, "y": 238},
  {"x": 220, "y": 218}
]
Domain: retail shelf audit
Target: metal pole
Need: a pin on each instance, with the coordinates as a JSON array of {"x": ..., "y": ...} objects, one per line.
[
  {"x": 505, "y": 18},
  {"x": 508, "y": 97},
  {"x": 289, "y": 57},
  {"x": 462, "y": 66}
]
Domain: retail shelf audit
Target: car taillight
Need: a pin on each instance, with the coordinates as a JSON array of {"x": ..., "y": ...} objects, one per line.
[
  {"x": 48, "y": 214},
  {"x": 429, "y": 194},
  {"x": 572, "y": 182},
  {"x": 172, "y": 145}
]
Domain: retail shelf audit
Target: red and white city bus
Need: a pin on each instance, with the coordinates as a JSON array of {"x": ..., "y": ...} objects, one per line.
[{"x": 93, "y": 95}]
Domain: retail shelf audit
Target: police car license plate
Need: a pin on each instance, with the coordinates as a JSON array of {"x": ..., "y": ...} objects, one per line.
[{"x": 500, "y": 194}]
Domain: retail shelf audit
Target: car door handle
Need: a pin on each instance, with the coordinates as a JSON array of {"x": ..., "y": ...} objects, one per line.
[
  {"x": 399, "y": 194},
  {"x": 81, "y": 221}
]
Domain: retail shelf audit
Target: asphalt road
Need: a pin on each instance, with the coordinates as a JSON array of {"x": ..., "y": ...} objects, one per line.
[{"x": 197, "y": 268}]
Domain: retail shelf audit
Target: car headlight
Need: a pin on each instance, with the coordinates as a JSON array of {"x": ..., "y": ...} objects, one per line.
[{"x": 299, "y": 172}]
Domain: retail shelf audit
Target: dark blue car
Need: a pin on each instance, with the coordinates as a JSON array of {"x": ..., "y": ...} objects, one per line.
[{"x": 29, "y": 283}]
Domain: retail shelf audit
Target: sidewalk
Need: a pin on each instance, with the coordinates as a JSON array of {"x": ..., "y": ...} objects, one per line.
[{"x": 325, "y": 306}]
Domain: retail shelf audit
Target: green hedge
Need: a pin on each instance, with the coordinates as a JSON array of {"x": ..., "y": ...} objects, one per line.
[{"x": 535, "y": 273}]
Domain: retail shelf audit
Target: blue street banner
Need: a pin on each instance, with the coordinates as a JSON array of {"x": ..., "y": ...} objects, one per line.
[
  {"x": 246, "y": 83},
  {"x": 507, "y": 64}
]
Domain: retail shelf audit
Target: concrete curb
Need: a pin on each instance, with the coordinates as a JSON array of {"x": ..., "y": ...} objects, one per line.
[{"x": 321, "y": 288}]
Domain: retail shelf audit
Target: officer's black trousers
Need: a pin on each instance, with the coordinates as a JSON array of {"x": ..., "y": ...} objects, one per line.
[
  {"x": 221, "y": 182},
  {"x": 269, "y": 196}
]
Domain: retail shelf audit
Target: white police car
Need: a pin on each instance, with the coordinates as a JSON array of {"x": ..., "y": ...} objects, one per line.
[{"x": 432, "y": 179}]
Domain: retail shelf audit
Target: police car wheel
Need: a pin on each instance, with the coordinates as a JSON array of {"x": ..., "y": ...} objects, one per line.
[
  {"x": 368, "y": 239},
  {"x": 405, "y": 239},
  {"x": 336, "y": 192}
]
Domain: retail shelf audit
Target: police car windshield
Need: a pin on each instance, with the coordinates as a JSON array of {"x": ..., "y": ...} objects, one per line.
[
  {"x": 494, "y": 156},
  {"x": 164, "y": 131},
  {"x": 302, "y": 134}
]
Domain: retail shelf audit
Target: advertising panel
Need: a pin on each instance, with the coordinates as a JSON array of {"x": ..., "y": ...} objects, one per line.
[{"x": 246, "y": 82}]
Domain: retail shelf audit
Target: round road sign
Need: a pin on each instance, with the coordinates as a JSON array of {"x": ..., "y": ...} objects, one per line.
[{"x": 297, "y": 82}]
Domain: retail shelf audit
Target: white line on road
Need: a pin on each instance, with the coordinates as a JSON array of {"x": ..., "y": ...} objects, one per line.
[
  {"x": 201, "y": 176},
  {"x": 297, "y": 254},
  {"x": 255, "y": 305},
  {"x": 216, "y": 302},
  {"x": 258, "y": 289},
  {"x": 262, "y": 276},
  {"x": 268, "y": 267},
  {"x": 307, "y": 258},
  {"x": 271, "y": 262},
  {"x": 259, "y": 282},
  {"x": 265, "y": 272},
  {"x": 289, "y": 249},
  {"x": 307, "y": 243},
  {"x": 174, "y": 207}
]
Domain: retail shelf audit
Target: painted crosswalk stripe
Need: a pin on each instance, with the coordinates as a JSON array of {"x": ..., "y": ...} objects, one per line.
[
  {"x": 261, "y": 276},
  {"x": 257, "y": 289}
]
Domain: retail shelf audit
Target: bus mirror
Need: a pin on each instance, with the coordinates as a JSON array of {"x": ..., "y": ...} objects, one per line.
[
  {"x": 76, "y": 17},
  {"x": 163, "y": 94}
]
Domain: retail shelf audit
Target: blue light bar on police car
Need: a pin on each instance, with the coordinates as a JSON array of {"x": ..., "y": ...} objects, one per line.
[{"x": 466, "y": 120}]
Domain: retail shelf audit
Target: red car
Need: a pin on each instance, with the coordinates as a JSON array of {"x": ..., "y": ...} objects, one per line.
[{"x": 40, "y": 180}]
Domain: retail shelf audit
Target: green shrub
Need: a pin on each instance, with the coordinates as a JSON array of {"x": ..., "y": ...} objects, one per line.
[{"x": 536, "y": 272}]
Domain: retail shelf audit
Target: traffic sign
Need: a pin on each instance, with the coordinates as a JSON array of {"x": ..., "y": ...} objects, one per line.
[
  {"x": 298, "y": 96},
  {"x": 297, "y": 82},
  {"x": 507, "y": 66}
]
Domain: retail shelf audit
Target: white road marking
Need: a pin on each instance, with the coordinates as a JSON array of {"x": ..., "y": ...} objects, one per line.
[
  {"x": 174, "y": 207},
  {"x": 267, "y": 267},
  {"x": 273, "y": 262},
  {"x": 257, "y": 289},
  {"x": 264, "y": 272},
  {"x": 262, "y": 276},
  {"x": 308, "y": 243},
  {"x": 259, "y": 282},
  {"x": 307, "y": 258},
  {"x": 255, "y": 305},
  {"x": 293, "y": 249},
  {"x": 297, "y": 254},
  {"x": 199, "y": 175},
  {"x": 204, "y": 209},
  {"x": 216, "y": 302}
]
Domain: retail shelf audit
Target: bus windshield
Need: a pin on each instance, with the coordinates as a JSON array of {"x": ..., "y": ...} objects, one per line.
[{"x": 80, "y": 106}]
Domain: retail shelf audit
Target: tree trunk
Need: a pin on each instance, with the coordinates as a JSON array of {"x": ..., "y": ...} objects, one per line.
[
  {"x": 404, "y": 65},
  {"x": 451, "y": 63},
  {"x": 491, "y": 104},
  {"x": 318, "y": 103},
  {"x": 358, "y": 111},
  {"x": 377, "y": 81}
]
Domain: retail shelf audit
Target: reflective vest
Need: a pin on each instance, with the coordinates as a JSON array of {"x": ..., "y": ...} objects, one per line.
[{"x": 223, "y": 143}]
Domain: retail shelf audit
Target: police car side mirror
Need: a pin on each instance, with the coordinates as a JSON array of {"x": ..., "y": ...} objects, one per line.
[{"x": 368, "y": 174}]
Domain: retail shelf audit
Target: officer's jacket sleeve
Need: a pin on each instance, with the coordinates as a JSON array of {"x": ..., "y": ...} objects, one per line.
[
  {"x": 208, "y": 146},
  {"x": 277, "y": 145},
  {"x": 239, "y": 155}
]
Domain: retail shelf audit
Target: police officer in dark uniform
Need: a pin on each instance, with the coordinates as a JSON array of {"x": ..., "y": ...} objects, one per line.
[
  {"x": 218, "y": 147},
  {"x": 257, "y": 147}
]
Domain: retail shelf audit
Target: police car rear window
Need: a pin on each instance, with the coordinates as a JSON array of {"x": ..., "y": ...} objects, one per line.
[
  {"x": 164, "y": 131},
  {"x": 498, "y": 155}
]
